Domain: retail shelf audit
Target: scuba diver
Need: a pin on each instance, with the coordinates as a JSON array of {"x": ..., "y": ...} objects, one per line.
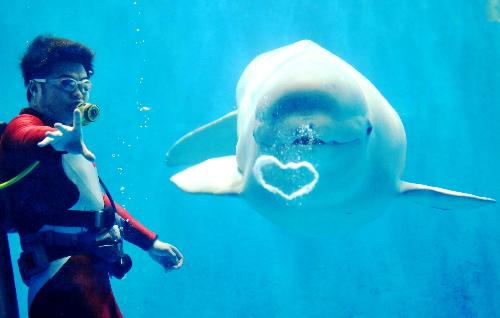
[{"x": 71, "y": 233}]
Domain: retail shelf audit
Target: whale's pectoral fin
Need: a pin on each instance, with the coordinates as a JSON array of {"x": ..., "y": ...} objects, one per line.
[
  {"x": 214, "y": 139},
  {"x": 213, "y": 176},
  {"x": 442, "y": 199}
]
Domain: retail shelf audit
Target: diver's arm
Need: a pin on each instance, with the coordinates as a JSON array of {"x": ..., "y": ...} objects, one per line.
[
  {"x": 28, "y": 133},
  {"x": 134, "y": 232},
  {"x": 24, "y": 132},
  {"x": 167, "y": 255}
]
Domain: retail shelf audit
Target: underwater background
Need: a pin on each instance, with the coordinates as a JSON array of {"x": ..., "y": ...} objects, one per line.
[{"x": 163, "y": 68}]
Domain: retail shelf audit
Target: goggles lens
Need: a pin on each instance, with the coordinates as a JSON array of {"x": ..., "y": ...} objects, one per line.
[
  {"x": 67, "y": 83},
  {"x": 70, "y": 84}
]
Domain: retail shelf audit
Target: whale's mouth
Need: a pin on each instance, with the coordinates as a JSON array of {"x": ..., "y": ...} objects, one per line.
[
  {"x": 307, "y": 135},
  {"x": 313, "y": 141},
  {"x": 306, "y": 140}
]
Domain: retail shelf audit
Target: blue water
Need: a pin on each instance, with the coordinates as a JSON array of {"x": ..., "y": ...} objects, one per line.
[{"x": 436, "y": 61}]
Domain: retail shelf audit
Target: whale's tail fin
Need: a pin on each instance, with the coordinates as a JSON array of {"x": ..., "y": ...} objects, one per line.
[{"x": 442, "y": 199}]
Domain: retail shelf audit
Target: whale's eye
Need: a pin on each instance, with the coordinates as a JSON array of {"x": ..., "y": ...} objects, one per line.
[{"x": 369, "y": 130}]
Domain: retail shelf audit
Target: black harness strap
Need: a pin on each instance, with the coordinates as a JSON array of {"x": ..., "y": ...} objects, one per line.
[{"x": 92, "y": 220}]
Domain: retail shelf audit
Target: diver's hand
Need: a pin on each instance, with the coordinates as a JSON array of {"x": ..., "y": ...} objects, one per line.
[
  {"x": 166, "y": 255},
  {"x": 68, "y": 138}
]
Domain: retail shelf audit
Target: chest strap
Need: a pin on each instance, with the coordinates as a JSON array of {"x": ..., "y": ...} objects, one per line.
[
  {"x": 92, "y": 220},
  {"x": 41, "y": 248}
]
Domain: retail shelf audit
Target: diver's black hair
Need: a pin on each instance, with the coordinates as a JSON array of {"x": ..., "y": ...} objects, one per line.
[{"x": 46, "y": 50}]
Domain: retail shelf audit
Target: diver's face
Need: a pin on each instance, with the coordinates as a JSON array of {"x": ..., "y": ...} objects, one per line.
[{"x": 54, "y": 101}]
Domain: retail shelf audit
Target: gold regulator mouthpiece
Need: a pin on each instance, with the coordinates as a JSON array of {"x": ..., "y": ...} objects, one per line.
[{"x": 90, "y": 112}]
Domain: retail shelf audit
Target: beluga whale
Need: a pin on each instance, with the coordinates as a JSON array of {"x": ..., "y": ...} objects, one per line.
[{"x": 313, "y": 146}]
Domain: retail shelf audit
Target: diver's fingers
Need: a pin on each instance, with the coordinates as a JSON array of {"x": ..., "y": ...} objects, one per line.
[
  {"x": 170, "y": 253},
  {"x": 170, "y": 259},
  {"x": 50, "y": 136},
  {"x": 45, "y": 142},
  {"x": 87, "y": 153},
  {"x": 180, "y": 257},
  {"x": 179, "y": 263},
  {"x": 62, "y": 128},
  {"x": 178, "y": 254},
  {"x": 77, "y": 119},
  {"x": 55, "y": 133}
]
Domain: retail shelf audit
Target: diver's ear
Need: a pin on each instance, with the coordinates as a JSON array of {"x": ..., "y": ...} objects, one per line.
[
  {"x": 440, "y": 198},
  {"x": 33, "y": 88}
]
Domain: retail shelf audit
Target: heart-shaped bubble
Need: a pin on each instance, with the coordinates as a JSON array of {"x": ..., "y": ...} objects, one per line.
[{"x": 266, "y": 160}]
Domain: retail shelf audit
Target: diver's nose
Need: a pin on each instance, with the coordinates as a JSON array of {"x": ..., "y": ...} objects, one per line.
[
  {"x": 80, "y": 93},
  {"x": 77, "y": 92}
]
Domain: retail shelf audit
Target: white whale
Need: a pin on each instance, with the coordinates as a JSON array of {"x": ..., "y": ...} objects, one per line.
[{"x": 319, "y": 150}]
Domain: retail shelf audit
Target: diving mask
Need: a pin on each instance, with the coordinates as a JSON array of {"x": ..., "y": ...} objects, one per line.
[{"x": 90, "y": 112}]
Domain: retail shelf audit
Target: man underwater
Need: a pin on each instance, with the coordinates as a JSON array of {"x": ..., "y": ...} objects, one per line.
[{"x": 71, "y": 233}]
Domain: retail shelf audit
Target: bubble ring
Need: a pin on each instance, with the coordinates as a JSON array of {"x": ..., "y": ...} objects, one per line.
[{"x": 266, "y": 160}]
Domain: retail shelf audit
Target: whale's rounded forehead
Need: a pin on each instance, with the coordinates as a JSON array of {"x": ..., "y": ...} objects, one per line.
[
  {"x": 342, "y": 105},
  {"x": 269, "y": 62},
  {"x": 300, "y": 67}
]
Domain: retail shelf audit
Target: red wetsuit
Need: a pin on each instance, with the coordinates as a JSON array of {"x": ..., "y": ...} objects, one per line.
[{"x": 76, "y": 286}]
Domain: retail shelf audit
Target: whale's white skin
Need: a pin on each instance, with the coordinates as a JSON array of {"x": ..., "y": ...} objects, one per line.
[{"x": 301, "y": 104}]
